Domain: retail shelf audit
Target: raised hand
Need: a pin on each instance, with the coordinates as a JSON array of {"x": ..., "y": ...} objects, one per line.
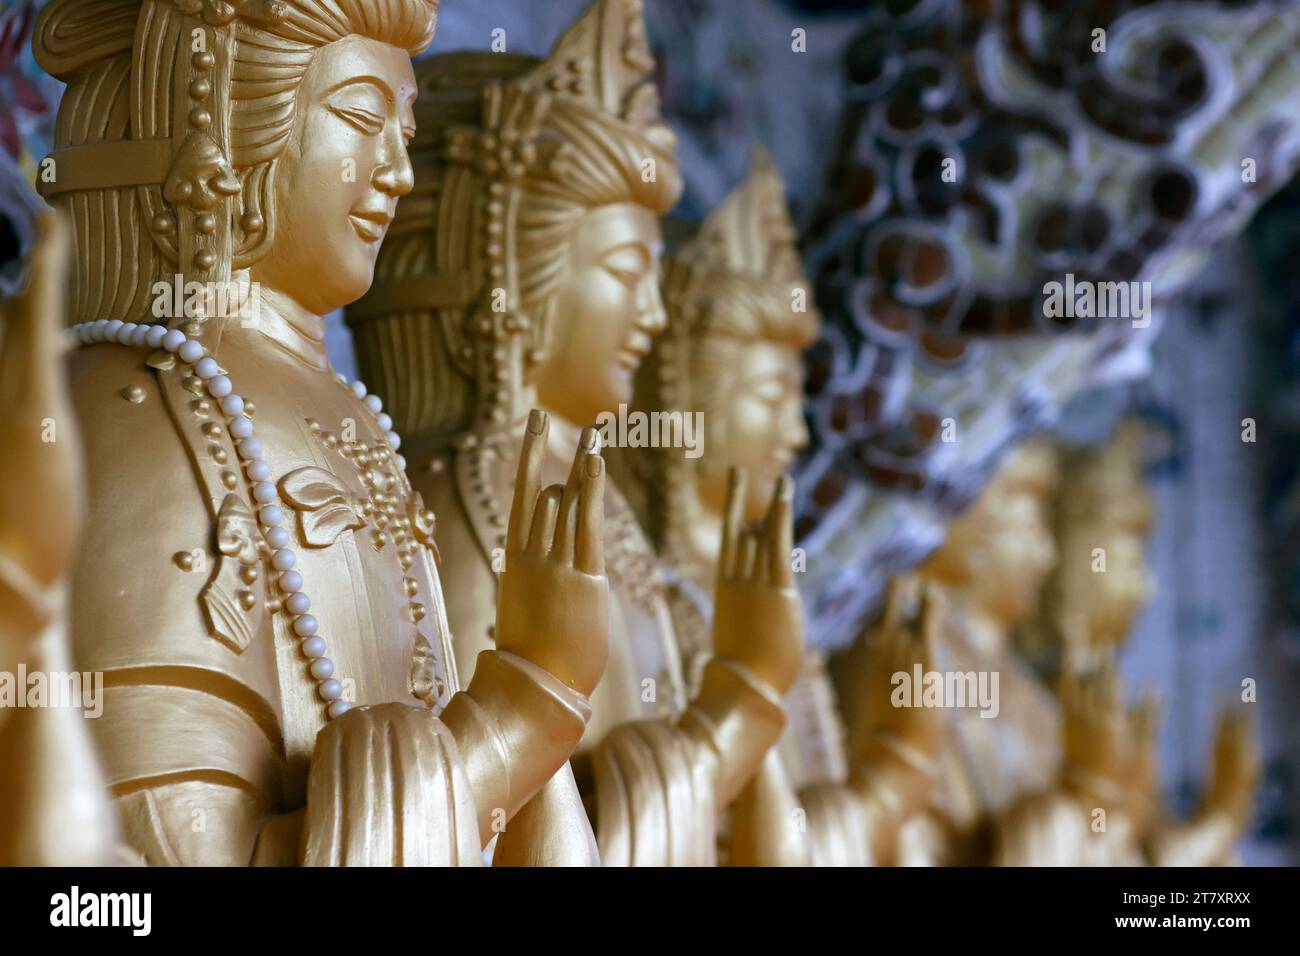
[
  {"x": 758, "y": 617},
  {"x": 1096, "y": 726},
  {"x": 553, "y": 607},
  {"x": 903, "y": 642},
  {"x": 53, "y": 803},
  {"x": 40, "y": 486},
  {"x": 1237, "y": 764},
  {"x": 1142, "y": 778}
]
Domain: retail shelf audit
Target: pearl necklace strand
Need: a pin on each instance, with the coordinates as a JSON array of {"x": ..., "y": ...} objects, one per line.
[{"x": 266, "y": 498}]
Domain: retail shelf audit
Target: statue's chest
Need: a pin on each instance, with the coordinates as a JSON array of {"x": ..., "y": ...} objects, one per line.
[
  {"x": 1015, "y": 753},
  {"x": 364, "y": 545}
]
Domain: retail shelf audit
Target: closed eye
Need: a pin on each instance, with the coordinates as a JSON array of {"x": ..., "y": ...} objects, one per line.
[
  {"x": 629, "y": 279},
  {"x": 629, "y": 264},
  {"x": 362, "y": 120}
]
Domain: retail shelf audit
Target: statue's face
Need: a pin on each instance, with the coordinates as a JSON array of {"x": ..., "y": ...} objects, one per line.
[
  {"x": 758, "y": 425},
  {"x": 1000, "y": 552},
  {"x": 607, "y": 311},
  {"x": 341, "y": 173},
  {"x": 1111, "y": 598},
  {"x": 1018, "y": 557}
]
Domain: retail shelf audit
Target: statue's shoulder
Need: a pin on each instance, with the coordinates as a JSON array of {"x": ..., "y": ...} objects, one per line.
[
  {"x": 124, "y": 426},
  {"x": 129, "y": 432},
  {"x": 169, "y": 569},
  {"x": 86, "y": 364}
]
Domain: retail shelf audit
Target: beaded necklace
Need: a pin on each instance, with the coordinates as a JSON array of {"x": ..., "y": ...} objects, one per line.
[{"x": 265, "y": 496}]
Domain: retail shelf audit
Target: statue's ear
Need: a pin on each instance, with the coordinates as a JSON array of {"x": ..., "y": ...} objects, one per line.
[{"x": 253, "y": 214}]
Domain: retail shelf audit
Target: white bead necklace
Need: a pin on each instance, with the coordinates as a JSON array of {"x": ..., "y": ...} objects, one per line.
[{"x": 266, "y": 497}]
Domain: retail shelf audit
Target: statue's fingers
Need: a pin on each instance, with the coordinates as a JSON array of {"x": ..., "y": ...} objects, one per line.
[
  {"x": 32, "y": 355},
  {"x": 732, "y": 525},
  {"x": 566, "y": 529},
  {"x": 779, "y": 534},
  {"x": 588, "y": 443},
  {"x": 528, "y": 479},
  {"x": 748, "y": 557},
  {"x": 544, "y": 519},
  {"x": 589, "y": 544}
]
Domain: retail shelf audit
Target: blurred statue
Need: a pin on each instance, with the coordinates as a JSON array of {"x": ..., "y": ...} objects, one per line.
[
  {"x": 990, "y": 571},
  {"x": 1105, "y": 809},
  {"x": 1101, "y": 582},
  {"x": 1102, "y": 516},
  {"x": 739, "y": 315},
  {"x": 1090, "y": 818},
  {"x": 53, "y": 807},
  {"x": 525, "y": 269},
  {"x": 1210, "y": 836},
  {"x": 259, "y": 151}
]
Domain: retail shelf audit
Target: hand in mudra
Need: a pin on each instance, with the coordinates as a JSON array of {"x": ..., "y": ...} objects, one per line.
[
  {"x": 553, "y": 607},
  {"x": 904, "y": 641},
  {"x": 1142, "y": 776},
  {"x": 1237, "y": 764},
  {"x": 40, "y": 489},
  {"x": 1096, "y": 726},
  {"x": 758, "y": 617}
]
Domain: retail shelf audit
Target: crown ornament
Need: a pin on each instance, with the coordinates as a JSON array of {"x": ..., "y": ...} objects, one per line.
[
  {"x": 750, "y": 233},
  {"x": 601, "y": 65},
  {"x": 750, "y": 236},
  {"x": 220, "y": 13}
]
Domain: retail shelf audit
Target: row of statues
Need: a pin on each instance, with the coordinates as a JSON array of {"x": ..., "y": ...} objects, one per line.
[{"x": 502, "y": 635}]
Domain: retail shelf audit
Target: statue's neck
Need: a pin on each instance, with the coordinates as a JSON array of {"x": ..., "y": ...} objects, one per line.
[{"x": 296, "y": 330}]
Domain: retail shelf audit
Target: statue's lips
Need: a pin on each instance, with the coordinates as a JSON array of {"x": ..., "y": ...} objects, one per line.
[
  {"x": 629, "y": 359},
  {"x": 369, "y": 226}
]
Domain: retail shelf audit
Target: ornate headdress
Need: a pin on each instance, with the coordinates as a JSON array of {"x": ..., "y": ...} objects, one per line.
[
  {"x": 510, "y": 153},
  {"x": 173, "y": 120},
  {"x": 749, "y": 234}
]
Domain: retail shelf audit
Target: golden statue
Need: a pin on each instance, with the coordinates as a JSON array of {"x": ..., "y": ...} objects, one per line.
[
  {"x": 989, "y": 572},
  {"x": 1105, "y": 809},
  {"x": 524, "y": 270},
  {"x": 1210, "y": 836},
  {"x": 739, "y": 316},
  {"x": 1101, "y": 581},
  {"x": 53, "y": 809},
  {"x": 1102, "y": 517},
  {"x": 232, "y": 170}
]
